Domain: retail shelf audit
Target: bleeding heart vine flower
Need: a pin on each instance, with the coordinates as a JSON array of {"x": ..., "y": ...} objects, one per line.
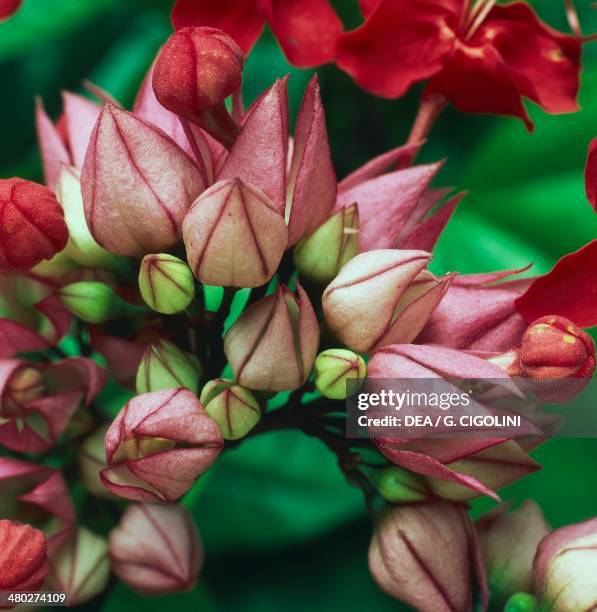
[{"x": 483, "y": 57}]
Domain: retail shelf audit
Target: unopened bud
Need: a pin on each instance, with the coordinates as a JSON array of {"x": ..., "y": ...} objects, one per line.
[
  {"x": 233, "y": 408},
  {"x": 197, "y": 69},
  {"x": 338, "y": 373},
  {"x": 521, "y": 602},
  {"x": 80, "y": 566},
  {"x": 95, "y": 302},
  {"x": 166, "y": 283},
  {"x": 163, "y": 534},
  {"x": 399, "y": 486},
  {"x": 165, "y": 366},
  {"x": 320, "y": 256}
]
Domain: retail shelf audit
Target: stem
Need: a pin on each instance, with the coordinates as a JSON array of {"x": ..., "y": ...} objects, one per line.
[
  {"x": 217, "y": 122},
  {"x": 430, "y": 109}
]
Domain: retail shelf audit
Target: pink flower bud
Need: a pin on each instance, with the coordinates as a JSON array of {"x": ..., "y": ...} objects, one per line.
[
  {"x": 23, "y": 557},
  {"x": 382, "y": 297},
  {"x": 80, "y": 566},
  {"x": 565, "y": 567},
  {"x": 37, "y": 401},
  {"x": 272, "y": 346},
  {"x": 197, "y": 69},
  {"x": 421, "y": 554},
  {"x": 32, "y": 225},
  {"x": 509, "y": 541},
  {"x": 157, "y": 446},
  {"x": 29, "y": 490},
  {"x": 126, "y": 156},
  {"x": 35, "y": 493},
  {"x": 234, "y": 236},
  {"x": 156, "y": 549}
]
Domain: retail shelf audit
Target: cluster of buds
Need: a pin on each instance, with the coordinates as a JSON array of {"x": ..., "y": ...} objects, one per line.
[{"x": 151, "y": 210}]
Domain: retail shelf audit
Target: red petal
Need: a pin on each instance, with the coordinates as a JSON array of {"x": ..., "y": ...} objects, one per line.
[
  {"x": 591, "y": 175},
  {"x": 543, "y": 63},
  {"x": 307, "y": 30},
  {"x": 8, "y": 7},
  {"x": 569, "y": 290},
  {"x": 241, "y": 19},
  {"x": 401, "y": 43},
  {"x": 476, "y": 80}
]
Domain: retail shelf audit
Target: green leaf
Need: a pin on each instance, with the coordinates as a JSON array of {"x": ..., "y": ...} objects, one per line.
[{"x": 275, "y": 490}]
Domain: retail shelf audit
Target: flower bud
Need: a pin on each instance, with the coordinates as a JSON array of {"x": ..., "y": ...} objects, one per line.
[
  {"x": 429, "y": 573},
  {"x": 509, "y": 541},
  {"x": 555, "y": 355},
  {"x": 197, "y": 69},
  {"x": 320, "y": 256},
  {"x": 163, "y": 534},
  {"x": 32, "y": 226},
  {"x": 81, "y": 246},
  {"x": 95, "y": 302},
  {"x": 137, "y": 185},
  {"x": 234, "y": 236},
  {"x": 233, "y": 408},
  {"x": 23, "y": 557},
  {"x": 334, "y": 368},
  {"x": 272, "y": 346},
  {"x": 92, "y": 460},
  {"x": 166, "y": 283},
  {"x": 400, "y": 486},
  {"x": 565, "y": 567},
  {"x": 382, "y": 297},
  {"x": 521, "y": 602},
  {"x": 165, "y": 366},
  {"x": 80, "y": 566},
  {"x": 158, "y": 444}
]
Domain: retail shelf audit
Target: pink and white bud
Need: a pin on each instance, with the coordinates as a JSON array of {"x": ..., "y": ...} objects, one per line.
[
  {"x": 157, "y": 446},
  {"x": 382, "y": 297},
  {"x": 509, "y": 541},
  {"x": 197, "y": 69},
  {"x": 233, "y": 235},
  {"x": 156, "y": 549},
  {"x": 273, "y": 345},
  {"x": 565, "y": 567},
  {"x": 421, "y": 554},
  {"x": 23, "y": 557},
  {"x": 137, "y": 185},
  {"x": 80, "y": 566}
]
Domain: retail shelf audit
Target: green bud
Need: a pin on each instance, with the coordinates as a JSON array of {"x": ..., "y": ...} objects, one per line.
[
  {"x": 165, "y": 366},
  {"x": 81, "y": 247},
  {"x": 521, "y": 602},
  {"x": 397, "y": 485},
  {"x": 333, "y": 368},
  {"x": 95, "y": 302},
  {"x": 232, "y": 407},
  {"x": 167, "y": 284},
  {"x": 320, "y": 256}
]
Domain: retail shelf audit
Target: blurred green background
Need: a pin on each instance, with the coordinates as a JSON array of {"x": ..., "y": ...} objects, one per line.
[{"x": 283, "y": 531}]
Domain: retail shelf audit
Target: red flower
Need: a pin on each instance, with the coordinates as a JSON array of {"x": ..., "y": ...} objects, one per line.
[
  {"x": 307, "y": 30},
  {"x": 483, "y": 58},
  {"x": 591, "y": 175},
  {"x": 32, "y": 224},
  {"x": 569, "y": 290},
  {"x": 8, "y": 7}
]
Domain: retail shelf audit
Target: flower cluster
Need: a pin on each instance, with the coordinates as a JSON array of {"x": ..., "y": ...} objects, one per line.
[{"x": 145, "y": 212}]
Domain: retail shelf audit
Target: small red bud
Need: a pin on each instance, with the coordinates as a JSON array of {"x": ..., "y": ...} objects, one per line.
[{"x": 197, "y": 69}]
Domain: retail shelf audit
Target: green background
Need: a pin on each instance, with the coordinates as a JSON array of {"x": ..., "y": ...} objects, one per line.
[{"x": 282, "y": 529}]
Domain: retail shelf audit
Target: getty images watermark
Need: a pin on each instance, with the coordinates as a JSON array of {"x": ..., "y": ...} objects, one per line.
[{"x": 414, "y": 408}]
